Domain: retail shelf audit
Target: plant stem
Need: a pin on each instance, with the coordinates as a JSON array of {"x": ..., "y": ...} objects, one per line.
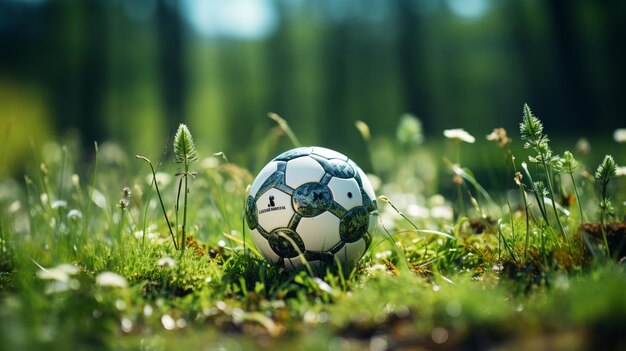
[
  {"x": 93, "y": 189},
  {"x": 602, "y": 217},
  {"x": 540, "y": 203},
  {"x": 185, "y": 175},
  {"x": 145, "y": 213},
  {"x": 521, "y": 189},
  {"x": 156, "y": 186},
  {"x": 580, "y": 205},
  {"x": 556, "y": 214}
]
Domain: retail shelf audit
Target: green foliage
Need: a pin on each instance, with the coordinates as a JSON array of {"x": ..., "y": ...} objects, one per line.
[{"x": 492, "y": 277}]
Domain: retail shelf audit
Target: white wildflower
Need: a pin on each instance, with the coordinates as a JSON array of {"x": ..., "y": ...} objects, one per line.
[
  {"x": 99, "y": 199},
  {"x": 59, "y": 273},
  {"x": 441, "y": 212},
  {"x": 14, "y": 207},
  {"x": 436, "y": 200},
  {"x": 620, "y": 135},
  {"x": 168, "y": 322},
  {"x": 111, "y": 279},
  {"x": 74, "y": 214},
  {"x": 151, "y": 236},
  {"x": 75, "y": 180},
  {"x": 59, "y": 204},
  {"x": 459, "y": 134},
  {"x": 417, "y": 211},
  {"x": 167, "y": 262}
]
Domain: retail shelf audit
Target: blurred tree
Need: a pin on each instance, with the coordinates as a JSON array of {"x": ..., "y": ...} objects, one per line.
[{"x": 172, "y": 61}]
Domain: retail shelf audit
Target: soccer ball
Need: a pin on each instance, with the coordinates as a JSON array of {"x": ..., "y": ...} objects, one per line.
[{"x": 312, "y": 202}]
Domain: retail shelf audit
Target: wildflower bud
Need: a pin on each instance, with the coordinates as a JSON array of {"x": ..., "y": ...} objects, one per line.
[
  {"x": 75, "y": 180},
  {"x": 124, "y": 203},
  {"x": 126, "y": 191},
  {"x": 364, "y": 129},
  {"x": 457, "y": 179},
  {"x": 499, "y": 136},
  {"x": 383, "y": 198},
  {"x": 583, "y": 146},
  {"x": 518, "y": 178}
]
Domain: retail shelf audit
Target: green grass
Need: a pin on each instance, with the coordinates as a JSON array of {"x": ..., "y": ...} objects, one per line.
[{"x": 432, "y": 278}]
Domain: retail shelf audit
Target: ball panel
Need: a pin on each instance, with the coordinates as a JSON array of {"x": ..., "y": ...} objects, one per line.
[
  {"x": 296, "y": 262},
  {"x": 367, "y": 186},
  {"x": 294, "y": 153},
  {"x": 265, "y": 173},
  {"x": 319, "y": 233},
  {"x": 335, "y": 167},
  {"x": 263, "y": 246},
  {"x": 274, "y": 209},
  {"x": 354, "y": 224},
  {"x": 328, "y": 153},
  {"x": 285, "y": 242},
  {"x": 346, "y": 192},
  {"x": 357, "y": 176},
  {"x": 311, "y": 199},
  {"x": 303, "y": 170},
  {"x": 350, "y": 255},
  {"x": 252, "y": 216}
]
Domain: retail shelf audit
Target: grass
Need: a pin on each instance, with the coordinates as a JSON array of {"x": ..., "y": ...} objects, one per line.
[{"x": 497, "y": 273}]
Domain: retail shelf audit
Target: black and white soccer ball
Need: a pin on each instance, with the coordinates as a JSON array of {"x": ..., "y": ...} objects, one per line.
[{"x": 314, "y": 202}]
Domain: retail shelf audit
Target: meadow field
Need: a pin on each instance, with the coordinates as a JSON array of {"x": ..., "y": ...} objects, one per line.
[{"x": 533, "y": 261}]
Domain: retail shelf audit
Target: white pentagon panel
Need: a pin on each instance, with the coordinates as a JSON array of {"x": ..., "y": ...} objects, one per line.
[
  {"x": 367, "y": 186},
  {"x": 319, "y": 233},
  {"x": 328, "y": 153},
  {"x": 346, "y": 192},
  {"x": 350, "y": 254},
  {"x": 303, "y": 170},
  {"x": 265, "y": 173},
  {"x": 263, "y": 246},
  {"x": 274, "y": 209}
]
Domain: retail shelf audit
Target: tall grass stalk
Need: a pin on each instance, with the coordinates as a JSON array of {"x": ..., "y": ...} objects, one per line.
[
  {"x": 282, "y": 123},
  {"x": 364, "y": 130},
  {"x": 156, "y": 186},
  {"x": 184, "y": 154},
  {"x": 570, "y": 164},
  {"x": 605, "y": 171},
  {"x": 531, "y": 129},
  {"x": 537, "y": 193},
  {"x": 520, "y": 185},
  {"x": 93, "y": 189}
]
